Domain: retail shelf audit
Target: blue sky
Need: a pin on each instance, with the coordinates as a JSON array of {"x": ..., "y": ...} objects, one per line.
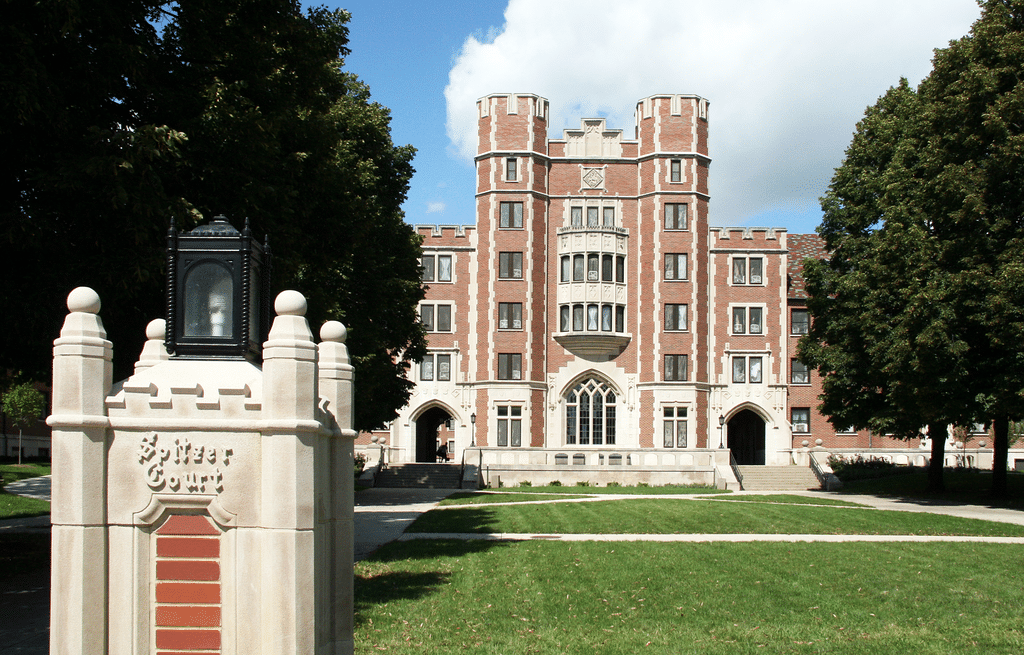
[{"x": 787, "y": 81}]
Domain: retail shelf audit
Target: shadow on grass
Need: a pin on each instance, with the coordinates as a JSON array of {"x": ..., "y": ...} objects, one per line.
[
  {"x": 963, "y": 487},
  {"x": 376, "y": 583},
  {"x": 457, "y": 518}
]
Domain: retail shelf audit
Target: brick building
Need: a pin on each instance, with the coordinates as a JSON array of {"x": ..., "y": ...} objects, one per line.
[{"x": 593, "y": 318}]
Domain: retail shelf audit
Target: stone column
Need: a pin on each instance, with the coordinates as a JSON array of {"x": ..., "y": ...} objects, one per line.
[
  {"x": 335, "y": 486},
  {"x": 289, "y": 438},
  {"x": 82, "y": 377}
]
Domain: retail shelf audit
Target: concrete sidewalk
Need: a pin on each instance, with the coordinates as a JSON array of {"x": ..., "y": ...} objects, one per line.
[{"x": 382, "y": 515}]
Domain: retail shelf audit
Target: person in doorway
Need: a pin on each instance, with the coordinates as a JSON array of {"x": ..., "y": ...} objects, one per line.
[{"x": 442, "y": 453}]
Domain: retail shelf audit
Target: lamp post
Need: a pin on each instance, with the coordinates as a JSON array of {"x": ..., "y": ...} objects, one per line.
[
  {"x": 217, "y": 281},
  {"x": 721, "y": 430},
  {"x": 472, "y": 430}
]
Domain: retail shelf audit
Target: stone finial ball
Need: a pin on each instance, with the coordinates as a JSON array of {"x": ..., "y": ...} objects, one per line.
[
  {"x": 84, "y": 299},
  {"x": 290, "y": 303},
  {"x": 156, "y": 329},
  {"x": 333, "y": 331}
]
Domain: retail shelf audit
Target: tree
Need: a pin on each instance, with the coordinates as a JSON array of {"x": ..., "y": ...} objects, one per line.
[
  {"x": 192, "y": 109},
  {"x": 23, "y": 404},
  {"x": 919, "y": 309}
]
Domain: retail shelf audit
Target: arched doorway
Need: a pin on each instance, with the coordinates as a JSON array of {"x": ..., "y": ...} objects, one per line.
[
  {"x": 427, "y": 433},
  {"x": 746, "y": 437}
]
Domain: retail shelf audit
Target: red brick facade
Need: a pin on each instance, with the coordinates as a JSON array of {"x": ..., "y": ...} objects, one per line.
[{"x": 593, "y": 308}]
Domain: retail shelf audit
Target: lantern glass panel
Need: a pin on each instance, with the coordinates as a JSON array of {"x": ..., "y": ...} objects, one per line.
[{"x": 209, "y": 297}]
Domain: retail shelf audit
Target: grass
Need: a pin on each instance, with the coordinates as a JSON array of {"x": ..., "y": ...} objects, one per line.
[
  {"x": 13, "y": 507},
  {"x": 679, "y": 516},
  {"x": 487, "y": 498},
  {"x": 624, "y": 491},
  {"x": 475, "y": 498},
  {"x": 626, "y": 598},
  {"x": 16, "y": 507},
  {"x": 964, "y": 486},
  {"x": 15, "y": 472},
  {"x": 791, "y": 499}
]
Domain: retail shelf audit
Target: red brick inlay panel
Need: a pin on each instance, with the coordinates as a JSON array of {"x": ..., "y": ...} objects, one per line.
[
  {"x": 187, "y": 547},
  {"x": 188, "y": 612}
]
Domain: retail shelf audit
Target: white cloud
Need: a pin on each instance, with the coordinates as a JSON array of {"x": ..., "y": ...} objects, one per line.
[
  {"x": 787, "y": 79},
  {"x": 435, "y": 207}
]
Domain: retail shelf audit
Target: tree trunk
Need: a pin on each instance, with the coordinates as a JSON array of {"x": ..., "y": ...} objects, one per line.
[
  {"x": 1000, "y": 455},
  {"x": 937, "y": 434}
]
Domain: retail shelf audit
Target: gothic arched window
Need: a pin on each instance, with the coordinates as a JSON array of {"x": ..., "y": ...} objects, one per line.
[{"x": 590, "y": 414}]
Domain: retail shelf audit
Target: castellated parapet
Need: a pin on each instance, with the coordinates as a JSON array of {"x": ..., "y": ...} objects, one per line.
[{"x": 202, "y": 505}]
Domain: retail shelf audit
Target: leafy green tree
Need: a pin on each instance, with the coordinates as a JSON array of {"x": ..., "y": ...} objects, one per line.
[
  {"x": 23, "y": 404},
  {"x": 919, "y": 309},
  {"x": 187, "y": 110}
]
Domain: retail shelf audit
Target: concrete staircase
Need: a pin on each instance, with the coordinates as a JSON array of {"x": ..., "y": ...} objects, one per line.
[
  {"x": 778, "y": 478},
  {"x": 420, "y": 476}
]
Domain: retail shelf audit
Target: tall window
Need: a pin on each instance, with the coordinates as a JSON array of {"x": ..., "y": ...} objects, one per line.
[
  {"x": 577, "y": 216},
  {"x": 741, "y": 266},
  {"x": 436, "y": 318},
  {"x": 675, "y": 217},
  {"x": 675, "y": 368},
  {"x": 511, "y": 174},
  {"x": 510, "y": 366},
  {"x": 801, "y": 419},
  {"x": 675, "y": 317},
  {"x": 427, "y": 265},
  {"x": 511, "y": 215},
  {"x": 609, "y": 217},
  {"x": 566, "y": 268},
  {"x": 746, "y": 370},
  {"x": 800, "y": 321},
  {"x": 606, "y": 268},
  {"x": 674, "y": 425},
  {"x": 675, "y": 266},
  {"x": 799, "y": 373},
  {"x": 676, "y": 170},
  {"x": 620, "y": 268},
  {"x": 590, "y": 414},
  {"x": 510, "y": 425},
  {"x": 740, "y": 316},
  {"x": 510, "y": 265},
  {"x": 510, "y": 315},
  {"x": 592, "y": 217}
]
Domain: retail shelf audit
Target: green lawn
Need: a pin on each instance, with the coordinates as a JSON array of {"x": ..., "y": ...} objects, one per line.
[
  {"x": 640, "y": 490},
  {"x": 678, "y": 516},
  {"x": 15, "y": 472},
  {"x": 708, "y": 599},
  {"x": 11, "y": 506}
]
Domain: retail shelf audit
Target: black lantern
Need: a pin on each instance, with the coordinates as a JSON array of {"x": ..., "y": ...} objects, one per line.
[{"x": 217, "y": 283}]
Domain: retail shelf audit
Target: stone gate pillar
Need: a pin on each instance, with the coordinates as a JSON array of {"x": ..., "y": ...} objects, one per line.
[
  {"x": 202, "y": 505},
  {"x": 82, "y": 372}
]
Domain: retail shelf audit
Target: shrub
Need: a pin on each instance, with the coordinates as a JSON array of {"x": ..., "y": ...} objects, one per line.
[
  {"x": 613, "y": 484},
  {"x": 848, "y": 469},
  {"x": 525, "y": 483},
  {"x": 583, "y": 483},
  {"x": 359, "y": 463},
  {"x": 555, "y": 483},
  {"x": 642, "y": 484}
]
